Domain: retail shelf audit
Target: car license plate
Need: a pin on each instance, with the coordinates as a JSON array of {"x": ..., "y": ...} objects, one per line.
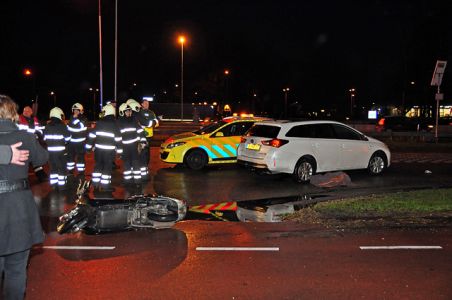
[{"x": 256, "y": 147}]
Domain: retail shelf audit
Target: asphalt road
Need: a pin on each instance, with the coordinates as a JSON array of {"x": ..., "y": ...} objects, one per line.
[
  {"x": 292, "y": 261},
  {"x": 207, "y": 260}
]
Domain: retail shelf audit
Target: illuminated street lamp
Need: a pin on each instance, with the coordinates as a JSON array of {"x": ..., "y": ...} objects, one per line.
[
  {"x": 28, "y": 72},
  {"x": 52, "y": 93},
  {"x": 286, "y": 91},
  {"x": 29, "y": 75},
  {"x": 94, "y": 101},
  {"x": 182, "y": 42},
  {"x": 352, "y": 97}
]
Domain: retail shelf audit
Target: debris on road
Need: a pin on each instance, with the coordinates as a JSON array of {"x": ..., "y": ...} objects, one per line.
[{"x": 332, "y": 179}]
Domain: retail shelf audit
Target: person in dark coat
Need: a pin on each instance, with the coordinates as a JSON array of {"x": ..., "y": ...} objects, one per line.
[
  {"x": 105, "y": 139},
  {"x": 76, "y": 147},
  {"x": 57, "y": 136},
  {"x": 132, "y": 135},
  {"x": 20, "y": 227}
]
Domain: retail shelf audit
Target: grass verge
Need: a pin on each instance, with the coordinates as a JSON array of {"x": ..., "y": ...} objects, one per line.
[{"x": 423, "y": 207}]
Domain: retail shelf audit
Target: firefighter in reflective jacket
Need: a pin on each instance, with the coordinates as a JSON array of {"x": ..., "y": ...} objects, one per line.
[
  {"x": 76, "y": 148},
  {"x": 105, "y": 139},
  {"x": 132, "y": 136},
  {"x": 148, "y": 121},
  {"x": 31, "y": 124},
  {"x": 57, "y": 136}
]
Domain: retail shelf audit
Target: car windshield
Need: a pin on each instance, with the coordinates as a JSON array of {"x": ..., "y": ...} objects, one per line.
[
  {"x": 265, "y": 131},
  {"x": 210, "y": 128}
]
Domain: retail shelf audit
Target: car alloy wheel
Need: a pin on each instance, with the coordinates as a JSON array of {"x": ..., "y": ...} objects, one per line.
[
  {"x": 196, "y": 159},
  {"x": 376, "y": 164},
  {"x": 303, "y": 171}
]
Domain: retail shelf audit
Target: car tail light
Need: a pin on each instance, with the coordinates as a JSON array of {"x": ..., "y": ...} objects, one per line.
[
  {"x": 242, "y": 139},
  {"x": 275, "y": 143},
  {"x": 169, "y": 141},
  {"x": 381, "y": 122}
]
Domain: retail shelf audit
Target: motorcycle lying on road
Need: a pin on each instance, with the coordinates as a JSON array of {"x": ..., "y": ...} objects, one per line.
[{"x": 95, "y": 216}]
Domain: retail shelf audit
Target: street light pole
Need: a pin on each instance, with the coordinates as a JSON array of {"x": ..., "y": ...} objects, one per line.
[
  {"x": 52, "y": 93},
  {"x": 94, "y": 101},
  {"x": 116, "y": 49},
  {"x": 182, "y": 41},
  {"x": 352, "y": 95},
  {"x": 100, "y": 56},
  {"x": 286, "y": 91}
]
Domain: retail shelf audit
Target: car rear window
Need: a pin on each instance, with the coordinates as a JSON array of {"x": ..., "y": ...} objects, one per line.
[{"x": 265, "y": 131}]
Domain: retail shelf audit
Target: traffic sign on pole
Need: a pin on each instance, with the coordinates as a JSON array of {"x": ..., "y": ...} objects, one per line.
[
  {"x": 436, "y": 81},
  {"x": 438, "y": 73}
]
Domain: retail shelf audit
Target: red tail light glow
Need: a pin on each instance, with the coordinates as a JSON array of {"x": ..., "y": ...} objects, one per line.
[
  {"x": 381, "y": 122},
  {"x": 275, "y": 143}
]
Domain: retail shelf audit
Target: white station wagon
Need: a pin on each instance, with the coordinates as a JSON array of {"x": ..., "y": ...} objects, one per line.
[{"x": 308, "y": 147}]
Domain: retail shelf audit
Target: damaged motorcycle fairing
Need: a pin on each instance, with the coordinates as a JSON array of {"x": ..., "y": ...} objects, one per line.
[{"x": 110, "y": 215}]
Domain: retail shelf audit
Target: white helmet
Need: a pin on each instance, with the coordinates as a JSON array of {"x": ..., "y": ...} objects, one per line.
[
  {"x": 56, "y": 112},
  {"x": 77, "y": 106},
  {"x": 122, "y": 109},
  {"x": 134, "y": 105},
  {"x": 108, "y": 110}
]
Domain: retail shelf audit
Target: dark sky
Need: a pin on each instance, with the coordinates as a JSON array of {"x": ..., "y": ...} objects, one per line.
[{"x": 319, "y": 49}]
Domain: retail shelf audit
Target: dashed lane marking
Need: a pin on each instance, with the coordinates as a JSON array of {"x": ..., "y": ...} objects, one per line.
[
  {"x": 237, "y": 248},
  {"x": 400, "y": 247},
  {"x": 79, "y": 247}
]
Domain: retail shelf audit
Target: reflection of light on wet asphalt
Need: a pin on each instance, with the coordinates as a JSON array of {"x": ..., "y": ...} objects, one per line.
[
  {"x": 237, "y": 248},
  {"x": 400, "y": 247},
  {"x": 79, "y": 247}
]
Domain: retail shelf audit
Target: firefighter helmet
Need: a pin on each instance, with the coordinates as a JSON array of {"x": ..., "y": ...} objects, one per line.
[
  {"x": 77, "y": 106},
  {"x": 108, "y": 110},
  {"x": 134, "y": 105},
  {"x": 56, "y": 112},
  {"x": 122, "y": 109}
]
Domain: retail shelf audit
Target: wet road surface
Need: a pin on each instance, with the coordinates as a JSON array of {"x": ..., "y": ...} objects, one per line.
[{"x": 311, "y": 262}]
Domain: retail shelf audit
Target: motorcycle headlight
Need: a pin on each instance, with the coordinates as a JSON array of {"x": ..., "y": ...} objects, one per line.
[{"x": 176, "y": 144}]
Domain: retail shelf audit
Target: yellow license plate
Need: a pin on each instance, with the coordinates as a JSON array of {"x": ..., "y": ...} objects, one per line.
[{"x": 256, "y": 147}]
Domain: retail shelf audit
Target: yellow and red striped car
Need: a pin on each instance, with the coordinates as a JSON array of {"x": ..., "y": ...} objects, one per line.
[{"x": 215, "y": 143}]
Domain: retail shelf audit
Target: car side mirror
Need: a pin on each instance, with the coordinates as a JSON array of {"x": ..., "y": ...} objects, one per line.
[{"x": 219, "y": 134}]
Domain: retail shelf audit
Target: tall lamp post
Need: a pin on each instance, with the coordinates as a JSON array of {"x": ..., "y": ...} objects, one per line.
[
  {"x": 182, "y": 42},
  {"x": 28, "y": 73},
  {"x": 286, "y": 91},
  {"x": 100, "y": 57},
  {"x": 352, "y": 97},
  {"x": 94, "y": 101},
  {"x": 52, "y": 93}
]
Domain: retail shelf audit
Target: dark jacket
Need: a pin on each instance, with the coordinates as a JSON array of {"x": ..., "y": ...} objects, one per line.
[
  {"x": 105, "y": 135},
  {"x": 131, "y": 132},
  {"x": 20, "y": 226},
  {"x": 77, "y": 128},
  {"x": 56, "y": 135},
  {"x": 6, "y": 154}
]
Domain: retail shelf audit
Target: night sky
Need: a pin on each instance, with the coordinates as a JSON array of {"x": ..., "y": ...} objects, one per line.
[{"x": 319, "y": 49}]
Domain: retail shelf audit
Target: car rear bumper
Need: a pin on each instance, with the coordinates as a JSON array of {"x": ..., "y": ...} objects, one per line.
[{"x": 252, "y": 164}]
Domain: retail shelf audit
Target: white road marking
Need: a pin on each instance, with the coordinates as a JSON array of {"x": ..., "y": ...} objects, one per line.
[
  {"x": 237, "y": 248},
  {"x": 399, "y": 247},
  {"x": 80, "y": 247}
]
